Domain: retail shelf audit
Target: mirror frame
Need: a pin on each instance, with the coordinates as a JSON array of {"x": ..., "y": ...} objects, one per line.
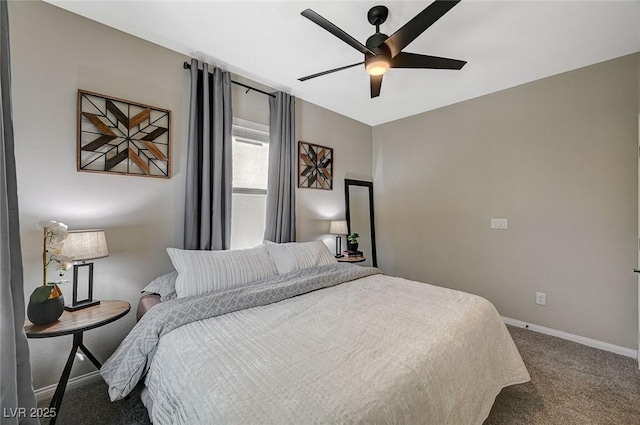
[{"x": 347, "y": 184}]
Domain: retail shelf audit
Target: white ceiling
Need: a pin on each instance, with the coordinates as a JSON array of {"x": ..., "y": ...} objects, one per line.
[{"x": 506, "y": 43}]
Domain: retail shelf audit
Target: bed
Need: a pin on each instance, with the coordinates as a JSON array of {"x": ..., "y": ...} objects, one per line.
[{"x": 324, "y": 343}]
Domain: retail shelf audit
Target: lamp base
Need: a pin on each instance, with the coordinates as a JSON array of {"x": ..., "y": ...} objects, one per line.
[
  {"x": 82, "y": 304},
  {"x": 339, "y": 247}
]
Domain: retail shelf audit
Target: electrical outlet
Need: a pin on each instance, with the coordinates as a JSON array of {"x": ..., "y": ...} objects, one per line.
[{"x": 541, "y": 298}]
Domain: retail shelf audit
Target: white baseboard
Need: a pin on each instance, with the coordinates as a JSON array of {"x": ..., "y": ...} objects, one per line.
[
  {"x": 47, "y": 392},
  {"x": 628, "y": 352}
]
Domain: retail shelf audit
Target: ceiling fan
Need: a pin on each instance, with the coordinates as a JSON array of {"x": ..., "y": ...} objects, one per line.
[{"x": 381, "y": 51}]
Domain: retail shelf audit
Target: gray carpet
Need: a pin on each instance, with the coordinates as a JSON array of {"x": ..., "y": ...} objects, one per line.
[{"x": 570, "y": 384}]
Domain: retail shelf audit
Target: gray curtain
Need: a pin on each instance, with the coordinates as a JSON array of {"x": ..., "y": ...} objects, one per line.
[
  {"x": 207, "y": 220},
  {"x": 281, "y": 188},
  {"x": 16, "y": 386}
]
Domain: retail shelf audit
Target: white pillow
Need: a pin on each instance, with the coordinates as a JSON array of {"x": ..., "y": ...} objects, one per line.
[
  {"x": 299, "y": 255},
  {"x": 200, "y": 272}
]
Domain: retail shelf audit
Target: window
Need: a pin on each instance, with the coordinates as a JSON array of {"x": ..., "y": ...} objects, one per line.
[{"x": 250, "y": 172}]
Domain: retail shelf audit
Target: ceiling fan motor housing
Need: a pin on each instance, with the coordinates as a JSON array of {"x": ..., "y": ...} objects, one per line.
[
  {"x": 375, "y": 43},
  {"x": 380, "y": 62}
]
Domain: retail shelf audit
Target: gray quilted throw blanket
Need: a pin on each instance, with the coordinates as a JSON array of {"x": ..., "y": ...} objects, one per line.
[{"x": 131, "y": 360}]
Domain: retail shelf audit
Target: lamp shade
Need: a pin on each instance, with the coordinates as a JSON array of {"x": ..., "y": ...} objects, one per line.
[
  {"x": 338, "y": 227},
  {"x": 83, "y": 245}
]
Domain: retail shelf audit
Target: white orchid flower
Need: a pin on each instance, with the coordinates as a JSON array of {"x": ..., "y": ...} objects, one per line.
[
  {"x": 55, "y": 248},
  {"x": 54, "y": 231},
  {"x": 52, "y": 225},
  {"x": 61, "y": 258},
  {"x": 54, "y": 234},
  {"x": 57, "y": 227},
  {"x": 60, "y": 235},
  {"x": 42, "y": 224},
  {"x": 63, "y": 265}
]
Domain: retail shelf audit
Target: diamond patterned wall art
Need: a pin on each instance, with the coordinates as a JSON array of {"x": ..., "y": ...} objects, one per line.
[
  {"x": 118, "y": 136},
  {"x": 315, "y": 166}
]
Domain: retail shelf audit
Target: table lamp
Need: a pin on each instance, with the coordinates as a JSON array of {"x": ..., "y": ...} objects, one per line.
[
  {"x": 81, "y": 246},
  {"x": 338, "y": 227}
]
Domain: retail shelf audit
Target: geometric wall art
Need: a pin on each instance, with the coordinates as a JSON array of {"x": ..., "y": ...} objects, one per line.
[
  {"x": 122, "y": 137},
  {"x": 315, "y": 166}
]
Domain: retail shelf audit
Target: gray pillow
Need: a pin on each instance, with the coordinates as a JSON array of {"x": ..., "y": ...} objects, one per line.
[
  {"x": 165, "y": 286},
  {"x": 299, "y": 255},
  {"x": 200, "y": 272}
]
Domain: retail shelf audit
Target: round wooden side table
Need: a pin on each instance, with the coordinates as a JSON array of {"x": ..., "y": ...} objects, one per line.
[
  {"x": 346, "y": 259},
  {"x": 76, "y": 323}
]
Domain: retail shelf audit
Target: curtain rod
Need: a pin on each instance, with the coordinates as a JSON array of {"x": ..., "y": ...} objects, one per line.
[{"x": 187, "y": 65}]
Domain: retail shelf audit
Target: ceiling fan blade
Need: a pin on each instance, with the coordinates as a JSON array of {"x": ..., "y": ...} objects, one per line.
[
  {"x": 376, "y": 85},
  {"x": 333, "y": 29},
  {"x": 416, "y": 26},
  {"x": 319, "y": 74},
  {"x": 412, "y": 60}
]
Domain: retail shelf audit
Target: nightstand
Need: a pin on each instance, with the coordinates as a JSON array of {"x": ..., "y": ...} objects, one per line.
[
  {"x": 346, "y": 259},
  {"x": 76, "y": 323}
]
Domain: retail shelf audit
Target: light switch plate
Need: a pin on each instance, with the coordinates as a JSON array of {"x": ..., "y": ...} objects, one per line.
[{"x": 499, "y": 223}]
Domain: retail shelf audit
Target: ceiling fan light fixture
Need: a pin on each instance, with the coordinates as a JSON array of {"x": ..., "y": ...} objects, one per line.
[
  {"x": 377, "y": 65},
  {"x": 381, "y": 51}
]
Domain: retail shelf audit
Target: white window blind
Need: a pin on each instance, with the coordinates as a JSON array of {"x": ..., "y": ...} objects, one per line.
[{"x": 250, "y": 173}]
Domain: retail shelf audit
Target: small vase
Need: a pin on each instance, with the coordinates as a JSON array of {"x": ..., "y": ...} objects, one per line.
[
  {"x": 48, "y": 311},
  {"x": 352, "y": 246}
]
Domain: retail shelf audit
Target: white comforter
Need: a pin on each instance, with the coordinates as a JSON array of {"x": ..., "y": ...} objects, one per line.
[{"x": 375, "y": 350}]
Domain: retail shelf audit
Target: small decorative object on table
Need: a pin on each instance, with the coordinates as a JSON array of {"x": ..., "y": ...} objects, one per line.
[
  {"x": 352, "y": 242},
  {"x": 46, "y": 303}
]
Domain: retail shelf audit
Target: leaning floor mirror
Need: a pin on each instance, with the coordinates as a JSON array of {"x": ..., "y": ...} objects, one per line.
[{"x": 359, "y": 205}]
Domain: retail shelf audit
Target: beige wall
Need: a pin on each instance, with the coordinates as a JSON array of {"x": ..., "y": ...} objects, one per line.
[
  {"x": 351, "y": 141},
  {"x": 558, "y": 159},
  {"x": 54, "y": 53}
]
